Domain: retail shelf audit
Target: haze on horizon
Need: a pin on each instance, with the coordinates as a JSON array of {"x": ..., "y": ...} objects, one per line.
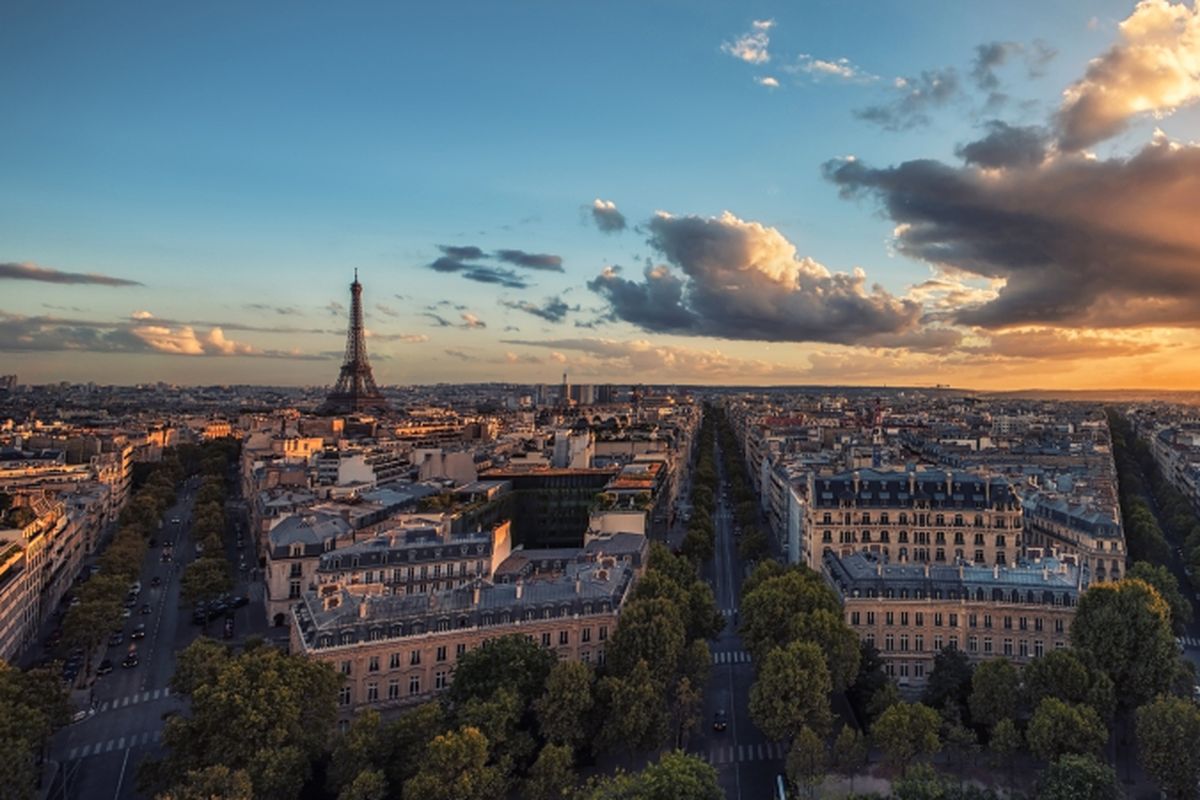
[{"x": 993, "y": 197}]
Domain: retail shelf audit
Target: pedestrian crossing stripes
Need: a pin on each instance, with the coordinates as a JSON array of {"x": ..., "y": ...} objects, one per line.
[
  {"x": 742, "y": 753},
  {"x": 133, "y": 699},
  {"x": 728, "y": 612},
  {"x": 115, "y": 744},
  {"x": 1189, "y": 641},
  {"x": 731, "y": 657}
]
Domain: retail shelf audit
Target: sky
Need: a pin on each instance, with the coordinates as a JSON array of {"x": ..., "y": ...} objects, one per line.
[{"x": 985, "y": 195}]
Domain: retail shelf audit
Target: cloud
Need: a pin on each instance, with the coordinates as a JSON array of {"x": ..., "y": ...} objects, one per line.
[
  {"x": 459, "y": 354},
  {"x": 280, "y": 310},
  {"x": 32, "y": 272},
  {"x": 837, "y": 69},
  {"x": 606, "y": 216},
  {"x": 1074, "y": 241},
  {"x": 915, "y": 98},
  {"x": 553, "y": 309},
  {"x": 751, "y": 47},
  {"x": 743, "y": 280},
  {"x": 767, "y": 81},
  {"x": 141, "y": 315},
  {"x": 539, "y": 261},
  {"x": 386, "y": 310},
  {"x": 1007, "y": 146},
  {"x": 407, "y": 338},
  {"x": 438, "y": 320},
  {"x": 335, "y": 308},
  {"x": 521, "y": 358},
  {"x": 480, "y": 273},
  {"x": 988, "y": 57},
  {"x": 472, "y": 321},
  {"x": 461, "y": 253},
  {"x": 1153, "y": 69},
  {"x": 1044, "y": 344},
  {"x": 146, "y": 336}
]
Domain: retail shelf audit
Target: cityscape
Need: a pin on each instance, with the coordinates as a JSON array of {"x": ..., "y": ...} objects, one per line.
[{"x": 657, "y": 401}]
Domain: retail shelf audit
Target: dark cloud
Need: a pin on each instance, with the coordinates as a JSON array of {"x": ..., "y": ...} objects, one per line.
[
  {"x": 553, "y": 309},
  {"x": 539, "y": 261},
  {"x": 915, "y": 98},
  {"x": 459, "y": 354},
  {"x": 1074, "y": 241},
  {"x": 281, "y": 310},
  {"x": 386, "y": 310},
  {"x": 1006, "y": 146},
  {"x": 461, "y": 253},
  {"x": 743, "y": 280},
  {"x": 335, "y": 308},
  {"x": 988, "y": 57},
  {"x": 1038, "y": 57},
  {"x": 440, "y": 321},
  {"x": 32, "y": 272},
  {"x": 480, "y": 273},
  {"x": 606, "y": 216}
]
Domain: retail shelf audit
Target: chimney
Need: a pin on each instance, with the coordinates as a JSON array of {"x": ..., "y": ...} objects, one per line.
[
  {"x": 520, "y": 588},
  {"x": 949, "y": 482},
  {"x": 996, "y": 571},
  {"x": 1045, "y": 573},
  {"x": 475, "y": 592},
  {"x": 912, "y": 482},
  {"x": 578, "y": 584},
  {"x": 364, "y": 610}
]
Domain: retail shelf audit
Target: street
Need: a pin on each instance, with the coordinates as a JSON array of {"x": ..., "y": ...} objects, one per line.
[
  {"x": 746, "y": 761},
  {"x": 99, "y": 755}
]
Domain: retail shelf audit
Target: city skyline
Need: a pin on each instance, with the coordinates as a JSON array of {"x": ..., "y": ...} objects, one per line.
[{"x": 984, "y": 197}]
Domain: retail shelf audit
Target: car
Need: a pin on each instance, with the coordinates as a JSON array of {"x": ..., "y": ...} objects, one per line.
[
  {"x": 147, "y": 609},
  {"x": 720, "y": 720},
  {"x": 135, "y": 588},
  {"x": 239, "y": 601},
  {"x": 81, "y": 715},
  {"x": 167, "y": 544},
  {"x": 166, "y": 556},
  {"x": 139, "y": 631},
  {"x": 105, "y": 667},
  {"x": 131, "y": 601},
  {"x": 156, "y": 581},
  {"x": 75, "y": 600},
  {"x": 130, "y": 661},
  {"x": 174, "y": 520},
  {"x": 116, "y": 640},
  {"x": 126, "y": 613}
]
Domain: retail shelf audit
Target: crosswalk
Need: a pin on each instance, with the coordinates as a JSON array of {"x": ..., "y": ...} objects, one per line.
[
  {"x": 742, "y": 753},
  {"x": 731, "y": 657},
  {"x": 133, "y": 699},
  {"x": 115, "y": 744},
  {"x": 728, "y": 612},
  {"x": 1189, "y": 641}
]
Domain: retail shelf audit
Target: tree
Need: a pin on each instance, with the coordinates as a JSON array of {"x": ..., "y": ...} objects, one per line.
[
  {"x": 635, "y": 717},
  {"x": 961, "y": 744},
  {"x": 685, "y": 710},
  {"x": 455, "y": 768},
  {"x": 406, "y": 738},
  {"x": 498, "y": 718},
  {"x": 1125, "y": 629},
  {"x": 995, "y": 688},
  {"x": 697, "y": 545},
  {"x": 807, "y": 761},
  {"x": 651, "y": 631},
  {"x": 906, "y": 732},
  {"x": 32, "y": 706},
  {"x": 1006, "y": 742},
  {"x": 676, "y": 776},
  {"x": 870, "y": 680},
  {"x": 264, "y": 712},
  {"x": 508, "y": 661},
  {"x": 1078, "y": 776},
  {"x": 950, "y": 679},
  {"x": 791, "y": 691},
  {"x": 1058, "y": 728},
  {"x": 1167, "y": 732},
  {"x": 563, "y": 709},
  {"x": 199, "y": 664},
  {"x": 358, "y": 750},
  {"x": 370, "y": 784},
  {"x": 1167, "y": 586},
  {"x": 217, "y": 782},
  {"x": 552, "y": 776},
  {"x": 205, "y": 579},
  {"x": 849, "y": 753}
]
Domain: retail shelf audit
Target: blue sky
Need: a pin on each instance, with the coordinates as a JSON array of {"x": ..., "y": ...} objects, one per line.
[{"x": 230, "y": 155}]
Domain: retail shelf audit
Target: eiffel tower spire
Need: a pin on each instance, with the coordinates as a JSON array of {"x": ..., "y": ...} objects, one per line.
[{"x": 355, "y": 389}]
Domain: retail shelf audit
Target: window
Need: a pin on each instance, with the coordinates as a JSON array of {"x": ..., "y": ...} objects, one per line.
[
  {"x": 972, "y": 644},
  {"x": 889, "y": 618},
  {"x": 1008, "y": 647},
  {"x": 972, "y": 621},
  {"x": 297, "y": 571},
  {"x": 603, "y": 634},
  {"x": 344, "y": 696},
  {"x": 1037, "y": 624},
  {"x": 919, "y": 669},
  {"x": 345, "y": 667},
  {"x": 585, "y": 635},
  {"x": 564, "y": 637},
  {"x": 1039, "y": 649},
  {"x": 854, "y": 618},
  {"x": 889, "y": 643},
  {"x": 1058, "y": 626},
  {"x": 414, "y": 684},
  {"x": 987, "y": 645},
  {"x": 1008, "y": 623},
  {"x": 904, "y": 642},
  {"x": 393, "y": 689},
  {"x": 439, "y": 679},
  {"x": 414, "y": 658},
  {"x": 601, "y": 657},
  {"x": 394, "y": 661},
  {"x": 373, "y": 664},
  {"x": 919, "y": 643},
  {"x": 441, "y": 653},
  {"x": 938, "y": 643},
  {"x": 903, "y": 617},
  {"x": 987, "y": 620},
  {"x": 546, "y": 639},
  {"x": 870, "y": 617},
  {"x": 372, "y": 692},
  {"x": 1023, "y": 648},
  {"x": 938, "y": 619},
  {"x": 954, "y": 620},
  {"x": 460, "y": 650},
  {"x": 1023, "y": 623},
  {"x": 293, "y": 590}
]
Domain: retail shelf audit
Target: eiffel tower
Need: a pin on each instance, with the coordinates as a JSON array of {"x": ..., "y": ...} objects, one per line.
[{"x": 355, "y": 389}]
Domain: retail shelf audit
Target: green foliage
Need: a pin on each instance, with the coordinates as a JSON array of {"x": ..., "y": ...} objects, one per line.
[
  {"x": 950, "y": 679},
  {"x": 32, "y": 706},
  {"x": 1006, "y": 742},
  {"x": 505, "y": 662},
  {"x": 1125, "y": 629},
  {"x": 791, "y": 691},
  {"x": 1167, "y": 586},
  {"x": 406, "y": 738},
  {"x": 907, "y": 732},
  {"x": 1058, "y": 729},
  {"x": 1062, "y": 674},
  {"x": 807, "y": 762},
  {"x": 871, "y": 680},
  {"x": 206, "y": 578},
  {"x": 498, "y": 718},
  {"x": 355, "y": 752},
  {"x": 263, "y": 712},
  {"x": 922, "y": 782},
  {"x": 217, "y": 782},
  {"x": 370, "y": 784},
  {"x": 635, "y": 714},
  {"x": 552, "y": 776},
  {"x": 1167, "y": 731},
  {"x": 849, "y": 753},
  {"x": 652, "y": 631},
  {"x": 455, "y": 768},
  {"x": 1074, "y": 777},
  {"x": 676, "y": 776},
  {"x": 563, "y": 709},
  {"x": 995, "y": 689}
]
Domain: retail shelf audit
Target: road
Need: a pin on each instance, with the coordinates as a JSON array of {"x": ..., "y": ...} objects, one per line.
[
  {"x": 99, "y": 756},
  {"x": 746, "y": 761}
]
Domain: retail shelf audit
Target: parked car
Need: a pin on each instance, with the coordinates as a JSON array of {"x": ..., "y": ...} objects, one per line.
[
  {"x": 239, "y": 601},
  {"x": 156, "y": 581},
  {"x": 139, "y": 631},
  {"x": 116, "y": 640},
  {"x": 105, "y": 667},
  {"x": 127, "y": 613},
  {"x": 147, "y": 609}
]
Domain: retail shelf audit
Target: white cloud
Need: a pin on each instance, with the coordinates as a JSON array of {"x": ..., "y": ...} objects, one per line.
[
  {"x": 141, "y": 315},
  {"x": 752, "y": 47},
  {"x": 842, "y": 69},
  {"x": 767, "y": 81}
]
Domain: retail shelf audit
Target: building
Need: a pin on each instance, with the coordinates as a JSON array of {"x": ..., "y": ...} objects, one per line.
[
  {"x": 355, "y": 390},
  {"x": 395, "y": 650},
  {"x": 910, "y": 612},
  {"x": 914, "y": 516}
]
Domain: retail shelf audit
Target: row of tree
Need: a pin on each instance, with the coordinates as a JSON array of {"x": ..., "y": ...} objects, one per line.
[
  {"x": 208, "y": 577},
  {"x": 700, "y": 540}
]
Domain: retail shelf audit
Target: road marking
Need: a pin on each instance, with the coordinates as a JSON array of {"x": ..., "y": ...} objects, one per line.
[
  {"x": 145, "y": 696},
  {"x": 86, "y": 749},
  {"x": 104, "y": 706},
  {"x": 739, "y": 752},
  {"x": 71, "y": 755},
  {"x": 121, "y": 744},
  {"x": 109, "y": 745}
]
